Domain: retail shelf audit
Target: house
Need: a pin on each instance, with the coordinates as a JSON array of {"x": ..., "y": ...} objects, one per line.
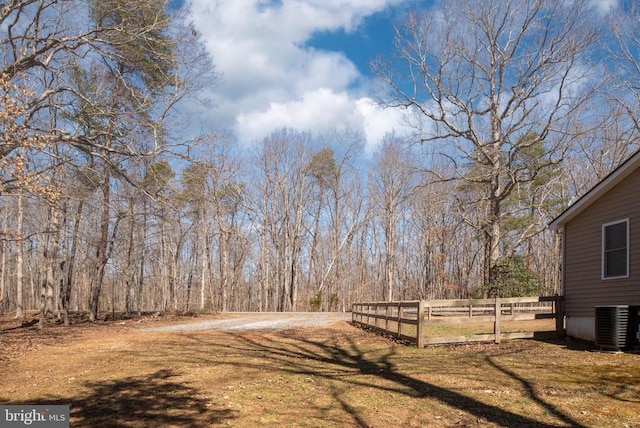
[{"x": 601, "y": 249}]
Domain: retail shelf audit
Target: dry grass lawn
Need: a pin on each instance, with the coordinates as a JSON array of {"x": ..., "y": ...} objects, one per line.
[{"x": 114, "y": 375}]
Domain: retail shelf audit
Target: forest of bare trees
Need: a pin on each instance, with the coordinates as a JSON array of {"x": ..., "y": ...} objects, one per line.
[{"x": 106, "y": 206}]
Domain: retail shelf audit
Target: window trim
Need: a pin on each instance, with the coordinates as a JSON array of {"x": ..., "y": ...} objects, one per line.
[{"x": 603, "y": 250}]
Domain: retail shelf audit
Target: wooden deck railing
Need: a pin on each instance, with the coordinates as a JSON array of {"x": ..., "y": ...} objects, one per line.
[{"x": 409, "y": 320}]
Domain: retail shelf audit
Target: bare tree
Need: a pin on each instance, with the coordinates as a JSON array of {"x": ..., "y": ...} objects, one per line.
[
  {"x": 322, "y": 169},
  {"x": 137, "y": 64},
  {"x": 44, "y": 39},
  {"x": 626, "y": 29},
  {"x": 229, "y": 200},
  {"x": 441, "y": 258},
  {"x": 281, "y": 205},
  {"x": 481, "y": 74},
  {"x": 196, "y": 192},
  {"x": 91, "y": 84},
  {"x": 392, "y": 185},
  {"x": 333, "y": 173}
]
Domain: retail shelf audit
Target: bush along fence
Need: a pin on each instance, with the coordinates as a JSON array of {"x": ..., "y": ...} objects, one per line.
[{"x": 429, "y": 322}]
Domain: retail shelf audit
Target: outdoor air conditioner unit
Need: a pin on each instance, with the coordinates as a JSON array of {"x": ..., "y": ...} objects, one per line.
[
  {"x": 633, "y": 338},
  {"x": 612, "y": 327}
]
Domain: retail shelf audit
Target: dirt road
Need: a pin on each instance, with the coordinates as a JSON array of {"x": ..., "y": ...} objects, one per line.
[{"x": 245, "y": 321}]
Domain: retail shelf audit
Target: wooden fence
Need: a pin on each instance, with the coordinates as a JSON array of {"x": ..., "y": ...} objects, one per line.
[{"x": 409, "y": 320}]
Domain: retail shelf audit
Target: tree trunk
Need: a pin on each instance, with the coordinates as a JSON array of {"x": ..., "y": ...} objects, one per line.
[
  {"x": 389, "y": 265},
  {"x": 493, "y": 233},
  {"x": 66, "y": 284},
  {"x": 293, "y": 291},
  {"x": 103, "y": 244},
  {"x": 294, "y": 266},
  {"x": 165, "y": 268},
  {"x": 313, "y": 262},
  {"x": 52, "y": 244},
  {"x": 3, "y": 258},
  {"x": 130, "y": 272},
  {"x": 19, "y": 261},
  {"x": 203, "y": 266},
  {"x": 224, "y": 267},
  {"x": 264, "y": 271},
  {"x": 143, "y": 255},
  {"x": 336, "y": 248},
  {"x": 173, "y": 272}
]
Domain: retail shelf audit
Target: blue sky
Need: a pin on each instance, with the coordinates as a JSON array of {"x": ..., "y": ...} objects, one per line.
[
  {"x": 302, "y": 64},
  {"x": 298, "y": 63},
  {"x": 373, "y": 37}
]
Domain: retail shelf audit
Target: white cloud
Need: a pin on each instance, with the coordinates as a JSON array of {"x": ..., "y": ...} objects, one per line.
[
  {"x": 322, "y": 110},
  {"x": 270, "y": 79},
  {"x": 377, "y": 122},
  {"x": 605, "y": 6}
]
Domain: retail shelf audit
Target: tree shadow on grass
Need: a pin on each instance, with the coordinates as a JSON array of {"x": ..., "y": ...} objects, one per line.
[
  {"x": 154, "y": 400},
  {"x": 348, "y": 361},
  {"x": 533, "y": 395}
]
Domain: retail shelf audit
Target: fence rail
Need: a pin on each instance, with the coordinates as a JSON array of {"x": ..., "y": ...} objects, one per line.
[{"x": 408, "y": 320}]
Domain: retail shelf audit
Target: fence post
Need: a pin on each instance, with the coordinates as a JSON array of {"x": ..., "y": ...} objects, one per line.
[
  {"x": 386, "y": 317},
  {"x": 496, "y": 323},
  {"x": 420, "y": 325},
  {"x": 400, "y": 314}
]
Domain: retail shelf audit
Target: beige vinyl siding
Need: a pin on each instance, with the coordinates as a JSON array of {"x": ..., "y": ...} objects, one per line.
[{"x": 584, "y": 287}]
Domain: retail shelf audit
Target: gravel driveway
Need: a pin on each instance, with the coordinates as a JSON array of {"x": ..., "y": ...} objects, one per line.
[{"x": 244, "y": 321}]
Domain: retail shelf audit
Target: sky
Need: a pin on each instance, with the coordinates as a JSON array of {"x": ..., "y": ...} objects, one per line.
[
  {"x": 303, "y": 64},
  {"x": 299, "y": 64}
]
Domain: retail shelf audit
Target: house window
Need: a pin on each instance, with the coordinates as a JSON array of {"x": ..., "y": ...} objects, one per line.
[{"x": 615, "y": 249}]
